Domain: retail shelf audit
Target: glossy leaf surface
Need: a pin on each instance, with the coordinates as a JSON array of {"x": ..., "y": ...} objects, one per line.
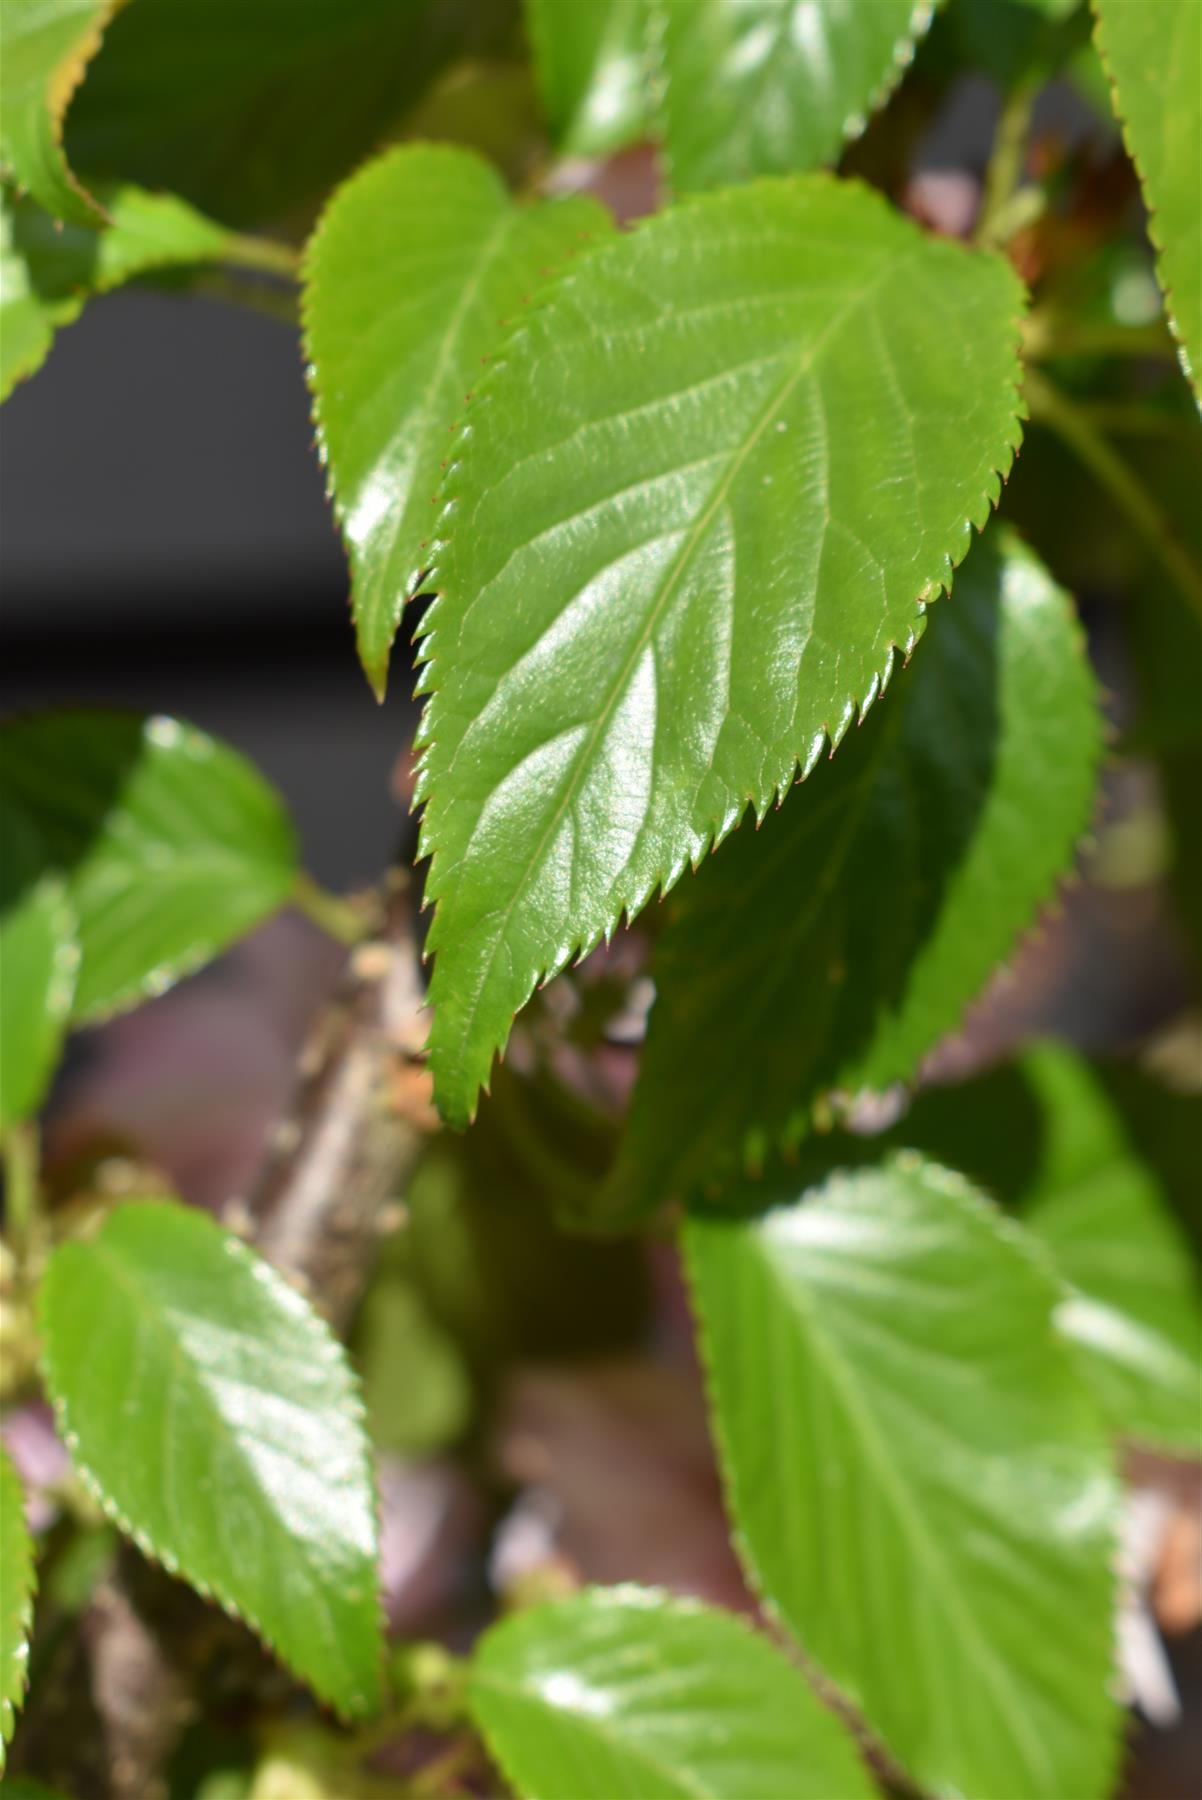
[
  {"x": 38, "y": 961},
  {"x": 763, "y": 87},
  {"x": 626, "y": 1691},
  {"x": 16, "y": 1599},
  {"x": 917, "y": 1479},
  {"x": 252, "y": 109},
  {"x": 171, "y": 844},
  {"x": 48, "y": 271},
  {"x": 833, "y": 948},
  {"x": 414, "y": 268},
  {"x": 591, "y": 61},
  {"x": 684, "y": 538},
  {"x": 1103, "y": 1164},
  {"x": 46, "y": 47},
  {"x": 213, "y": 1414},
  {"x": 1152, "y": 50}
]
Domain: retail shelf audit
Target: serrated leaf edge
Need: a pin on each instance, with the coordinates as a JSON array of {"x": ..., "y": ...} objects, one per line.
[
  {"x": 21, "y": 1614},
  {"x": 922, "y": 14},
  {"x": 1192, "y": 375},
  {"x": 377, "y": 673},
  {"x": 958, "y": 1190},
  {"x": 65, "y": 80},
  {"x": 335, "y": 1355},
  {"x": 829, "y": 737}
]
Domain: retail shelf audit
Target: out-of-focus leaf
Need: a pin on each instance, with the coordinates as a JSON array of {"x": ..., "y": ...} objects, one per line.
[
  {"x": 1152, "y": 50},
  {"x": 918, "y": 1480},
  {"x": 832, "y": 949},
  {"x": 214, "y": 1416},
  {"x": 171, "y": 844},
  {"x": 592, "y": 69},
  {"x": 626, "y": 1691},
  {"x": 698, "y": 504},
  {"x": 16, "y": 1600},
  {"x": 408, "y": 280},
  {"x": 764, "y": 87},
  {"x": 251, "y": 109},
  {"x": 48, "y": 271},
  {"x": 38, "y": 961},
  {"x": 45, "y": 47},
  {"x": 416, "y": 1385}
]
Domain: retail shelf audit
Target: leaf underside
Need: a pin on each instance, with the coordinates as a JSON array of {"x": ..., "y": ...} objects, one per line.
[
  {"x": 832, "y": 949},
  {"x": 918, "y": 1482},
  {"x": 16, "y": 1600},
  {"x": 683, "y": 540},
  {"x": 627, "y": 1691},
  {"x": 415, "y": 267},
  {"x": 765, "y": 87},
  {"x": 217, "y": 1421},
  {"x": 171, "y": 845},
  {"x": 1152, "y": 50}
]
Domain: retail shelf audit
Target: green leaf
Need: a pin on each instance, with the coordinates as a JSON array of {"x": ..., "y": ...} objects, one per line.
[
  {"x": 38, "y": 957},
  {"x": 47, "y": 45},
  {"x": 16, "y": 1600},
  {"x": 172, "y": 845},
  {"x": 918, "y": 1483},
  {"x": 592, "y": 70},
  {"x": 626, "y": 1691},
  {"x": 763, "y": 87},
  {"x": 832, "y": 949},
  {"x": 408, "y": 280},
  {"x": 1152, "y": 50},
  {"x": 48, "y": 271},
  {"x": 416, "y": 1386},
  {"x": 684, "y": 539},
  {"x": 253, "y": 109},
  {"x": 1102, "y": 1164},
  {"x": 216, "y": 1420}
]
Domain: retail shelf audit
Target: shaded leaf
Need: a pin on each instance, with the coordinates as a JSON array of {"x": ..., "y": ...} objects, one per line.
[
  {"x": 252, "y": 109},
  {"x": 416, "y": 1386},
  {"x": 16, "y": 1600},
  {"x": 918, "y": 1482},
  {"x": 416, "y": 264},
  {"x": 213, "y": 1414},
  {"x": 592, "y": 71},
  {"x": 626, "y": 1691},
  {"x": 38, "y": 961},
  {"x": 832, "y": 949},
  {"x": 763, "y": 87},
  {"x": 172, "y": 845},
  {"x": 684, "y": 538},
  {"x": 1152, "y": 50},
  {"x": 47, "y": 45},
  {"x": 48, "y": 271}
]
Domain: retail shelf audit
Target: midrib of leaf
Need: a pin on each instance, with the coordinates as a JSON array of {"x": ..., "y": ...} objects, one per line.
[
  {"x": 588, "y": 1724},
  {"x": 155, "y": 1323},
  {"x": 693, "y": 538},
  {"x": 844, "y": 1382},
  {"x": 490, "y": 250}
]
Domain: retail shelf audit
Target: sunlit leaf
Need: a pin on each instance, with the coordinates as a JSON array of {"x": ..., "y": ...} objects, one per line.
[
  {"x": 414, "y": 268},
  {"x": 592, "y": 70},
  {"x": 16, "y": 1600},
  {"x": 172, "y": 846},
  {"x": 1152, "y": 50},
  {"x": 763, "y": 87},
  {"x": 699, "y": 502},
  {"x": 918, "y": 1482},
  {"x": 46, "y": 46},
  {"x": 626, "y": 1691},
  {"x": 213, "y": 1414}
]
